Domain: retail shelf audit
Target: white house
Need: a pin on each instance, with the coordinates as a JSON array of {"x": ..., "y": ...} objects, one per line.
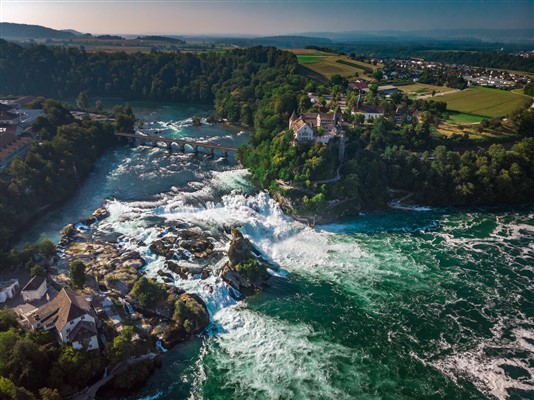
[
  {"x": 369, "y": 112},
  {"x": 72, "y": 317},
  {"x": 8, "y": 289},
  {"x": 35, "y": 289}
]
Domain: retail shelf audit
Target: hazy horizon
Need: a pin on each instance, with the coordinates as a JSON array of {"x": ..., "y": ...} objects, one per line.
[{"x": 258, "y": 17}]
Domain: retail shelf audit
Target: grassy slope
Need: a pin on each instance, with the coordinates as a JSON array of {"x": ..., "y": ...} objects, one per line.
[
  {"x": 484, "y": 102},
  {"x": 326, "y": 64},
  {"x": 422, "y": 88}
]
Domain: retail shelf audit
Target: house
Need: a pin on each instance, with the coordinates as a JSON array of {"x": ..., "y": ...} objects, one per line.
[
  {"x": 387, "y": 89},
  {"x": 35, "y": 289},
  {"x": 369, "y": 112},
  {"x": 359, "y": 85},
  {"x": 71, "y": 317},
  {"x": 8, "y": 118},
  {"x": 318, "y": 127},
  {"x": 8, "y": 289},
  {"x": 12, "y": 143}
]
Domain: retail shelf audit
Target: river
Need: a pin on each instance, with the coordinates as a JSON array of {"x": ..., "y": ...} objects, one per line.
[{"x": 427, "y": 304}]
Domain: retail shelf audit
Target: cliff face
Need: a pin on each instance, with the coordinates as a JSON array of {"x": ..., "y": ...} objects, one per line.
[{"x": 244, "y": 270}]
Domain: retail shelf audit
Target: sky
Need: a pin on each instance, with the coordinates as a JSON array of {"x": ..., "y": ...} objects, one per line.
[{"x": 262, "y": 17}]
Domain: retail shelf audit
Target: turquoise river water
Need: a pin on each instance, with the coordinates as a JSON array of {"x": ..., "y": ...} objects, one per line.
[{"x": 426, "y": 304}]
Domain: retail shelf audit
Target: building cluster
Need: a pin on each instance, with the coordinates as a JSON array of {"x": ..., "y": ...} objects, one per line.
[
  {"x": 477, "y": 76},
  {"x": 69, "y": 316},
  {"x": 317, "y": 127},
  {"x": 15, "y": 122}
]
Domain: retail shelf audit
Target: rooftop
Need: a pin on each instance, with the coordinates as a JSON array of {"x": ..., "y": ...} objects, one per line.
[
  {"x": 34, "y": 283},
  {"x": 7, "y": 284},
  {"x": 66, "y": 307}
]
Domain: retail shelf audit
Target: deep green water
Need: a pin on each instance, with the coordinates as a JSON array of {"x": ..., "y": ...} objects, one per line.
[{"x": 435, "y": 304}]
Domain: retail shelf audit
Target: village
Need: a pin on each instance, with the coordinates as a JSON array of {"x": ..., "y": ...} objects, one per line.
[{"x": 420, "y": 70}]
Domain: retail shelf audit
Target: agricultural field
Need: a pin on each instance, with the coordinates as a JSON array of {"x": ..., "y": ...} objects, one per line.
[
  {"x": 302, "y": 59},
  {"x": 485, "y": 102},
  {"x": 462, "y": 118},
  {"x": 422, "y": 88},
  {"x": 318, "y": 63}
]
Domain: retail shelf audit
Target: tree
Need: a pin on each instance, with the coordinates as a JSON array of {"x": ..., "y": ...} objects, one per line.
[
  {"x": 77, "y": 274},
  {"x": 148, "y": 292},
  {"x": 120, "y": 348},
  {"x": 49, "y": 394},
  {"x": 82, "y": 101},
  {"x": 378, "y": 75},
  {"x": 99, "y": 106},
  {"x": 8, "y": 319}
]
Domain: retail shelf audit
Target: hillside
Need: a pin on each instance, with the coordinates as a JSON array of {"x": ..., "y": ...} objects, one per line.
[{"x": 11, "y": 30}]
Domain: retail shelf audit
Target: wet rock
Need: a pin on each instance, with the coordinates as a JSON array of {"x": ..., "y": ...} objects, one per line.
[
  {"x": 244, "y": 270},
  {"x": 200, "y": 247},
  {"x": 240, "y": 250},
  {"x": 164, "y": 246},
  {"x": 177, "y": 269},
  {"x": 100, "y": 213},
  {"x": 167, "y": 277}
]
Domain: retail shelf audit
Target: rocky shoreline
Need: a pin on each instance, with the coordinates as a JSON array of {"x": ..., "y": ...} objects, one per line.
[{"x": 124, "y": 296}]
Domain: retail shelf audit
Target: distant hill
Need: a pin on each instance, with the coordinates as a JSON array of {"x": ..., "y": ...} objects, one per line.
[
  {"x": 474, "y": 35},
  {"x": 288, "y": 41},
  {"x": 157, "y": 38},
  {"x": 11, "y": 30}
]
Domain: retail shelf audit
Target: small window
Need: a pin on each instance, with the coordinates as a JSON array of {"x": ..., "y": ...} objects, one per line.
[
  {"x": 71, "y": 322},
  {"x": 83, "y": 317}
]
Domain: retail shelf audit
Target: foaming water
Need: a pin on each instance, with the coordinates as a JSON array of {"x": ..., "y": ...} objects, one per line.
[{"x": 418, "y": 304}]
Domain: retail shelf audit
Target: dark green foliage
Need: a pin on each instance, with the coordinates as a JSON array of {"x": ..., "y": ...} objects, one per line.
[
  {"x": 8, "y": 319},
  {"x": 76, "y": 367},
  {"x": 49, "y": 394},
  {"x": 8, "y": 391},
  {"x": 252, "y": 270},
  {"x": 189, "y": 314},
  {"x": 77, "y": 274},
  {"x": 148, "y": 293},
  {"x": 52, "y": 170},
  {"x": 529, "y": 89},
  {"x": 526, "y": 123},
  {"x": 136, "y": 374},
  {"x": 120, "y": 348}
]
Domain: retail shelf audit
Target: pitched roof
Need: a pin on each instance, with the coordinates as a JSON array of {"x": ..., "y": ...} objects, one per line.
[
  {"x": 6, "y": 115},
  {"x": 327, "y": 116},
  {"x": 369, "y": 109},
  {"x": 34, "y": 283},
  {"x": 298, "y": 124},
  {"x": 82, "y": 330},
  {"x": 66, "y": 307}
]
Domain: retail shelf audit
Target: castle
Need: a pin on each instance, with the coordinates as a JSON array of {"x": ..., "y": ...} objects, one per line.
[{"x": 316, "y": 127}]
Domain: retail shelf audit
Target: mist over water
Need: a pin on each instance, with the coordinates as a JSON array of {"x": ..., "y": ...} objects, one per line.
[{"x": 397, "y": 305}]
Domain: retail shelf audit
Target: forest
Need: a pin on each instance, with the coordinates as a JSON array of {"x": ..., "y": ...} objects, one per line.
[{"x": 55, "y": 166}]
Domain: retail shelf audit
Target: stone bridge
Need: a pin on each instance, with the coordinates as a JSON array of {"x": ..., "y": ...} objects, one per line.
[{"x": 181, "y": 143}]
